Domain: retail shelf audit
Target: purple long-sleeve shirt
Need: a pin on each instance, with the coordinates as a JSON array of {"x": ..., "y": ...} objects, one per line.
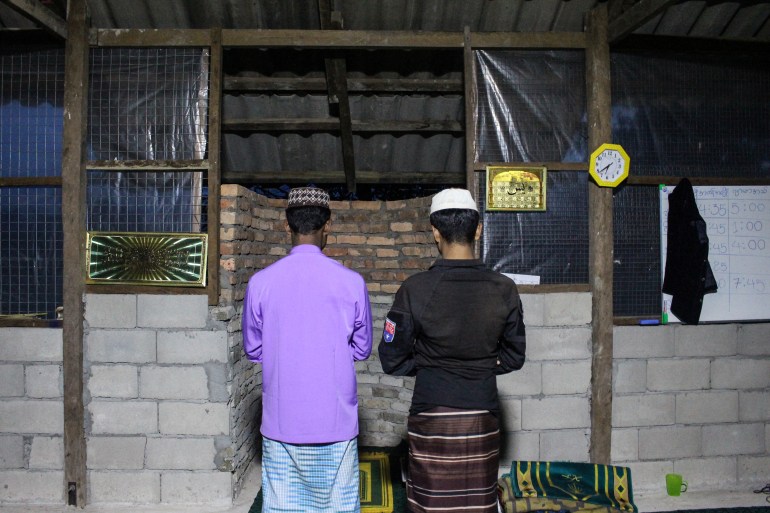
[{"x": 306, "y": 319}]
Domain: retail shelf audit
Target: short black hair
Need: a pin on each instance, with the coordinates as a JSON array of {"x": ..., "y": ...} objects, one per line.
[
  {"x": 456, "y": 225},
  {"x": 305, "y": 220}
]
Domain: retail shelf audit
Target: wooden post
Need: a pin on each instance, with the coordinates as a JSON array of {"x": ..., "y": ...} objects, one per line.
[
  {"x": 74, "y": 237},
  {"x": 469, "y": 79},
  {"x": 600, "y": 237},
  {"x": 214, "y": 171}
]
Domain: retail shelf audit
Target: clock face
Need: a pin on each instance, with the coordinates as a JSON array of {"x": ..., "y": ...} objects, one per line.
[{"x": 609, "y": 165}]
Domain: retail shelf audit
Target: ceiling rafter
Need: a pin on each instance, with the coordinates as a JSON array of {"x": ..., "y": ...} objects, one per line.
[
  {"x": 40, "y": 14},
  {"x": 634, "y": 17}
]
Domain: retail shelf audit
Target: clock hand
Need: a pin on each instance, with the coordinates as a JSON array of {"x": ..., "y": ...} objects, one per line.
[{"x": 605, "y": 168}]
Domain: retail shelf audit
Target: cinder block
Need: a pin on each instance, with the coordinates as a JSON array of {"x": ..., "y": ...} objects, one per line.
[
  {"x": 44, "y": 381},
  {"x": 11, "y": 380},
  {"x": 753, "y": 469},
  {"x": 564, "y": 445},
  {"x": 123, "y": 417},
  {"x": 740, "y": 373},
  {"x": 558, "y": 344},
  {"x": 217, "y": 376},
  {"x": 625, "y": 445},
  {"x": 643, "y": 341},
  {"x": 121, "y": 346},
  {"x": 28, "y": 487},
  {"x": 114, "y": 381},
  {"x": 754, "y": 406},
  {"x": 532, "y": 304},
  {"x": 678, "y": 374},
  {"x": 706, "y": 340},
  {"x": 180, "y": 453},
  {"x": 643, "y": 410},
  {"x": 173, "y": 383},
  {"x": 520, "y": 445},
  {"x": 177, "y": 418},
  {"x": 172, "y": 311},
  {"x": 752, "y": 339},
  {"x": 670, "y": 442},
  {"x": 116, "y": 452},
  {"x": 525, "y": 381},
  {"x": 707, "y": 407},
  {"x": 566, "y": 309},
  {"x": 555, "y": 413},
  {"x": 32, "y": 416},
  {"x": 47, "y": 453},
  {"x": 111, "y": 310},
  {"x": 707, "y": 473},
  {"x": 510, "y": 414},
  {"x": 11, "y": 452},
  {"x": 650, "y": 475},
  {"x": 110, "y": 487},
  {"x": 733, "y": 439},
  {"x": 212, "y": 488},
  {"x": 192, "y": 347},
  {"x": 629, "y": 376},
  {"x": 30, "y": 345},
  {"x": 566, "y": 378}
]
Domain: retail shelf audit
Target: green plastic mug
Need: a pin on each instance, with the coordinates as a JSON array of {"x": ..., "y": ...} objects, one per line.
[{"x": 675, "y": 485}]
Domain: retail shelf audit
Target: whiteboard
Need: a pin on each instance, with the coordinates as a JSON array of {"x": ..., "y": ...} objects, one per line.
[{"x": 738, "y": 226}]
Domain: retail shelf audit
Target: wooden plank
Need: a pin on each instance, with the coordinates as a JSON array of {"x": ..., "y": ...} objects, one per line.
[
  {"x": 332, "y": 125},
  {"x": 74, "y": 229},
  {"x": 635, "y": 16},
  {"x": 339, "y": 39},
  {"x": 600, "y": 239},
  {"x": 147, "y": 165},
  {"x": 554, "y": 288},
  {"x": 528, "y": 40},
  {"x": 673, "y": 180},
  {"x": 362, "y": 177},
  {"x": 151, "y": 37},
  {"x": 40, "y": 14},
  {"x": 550, "y": 166},
  {"x": 214, "y": 162},
  {"x": 354, "y": 85},
  {"x": 42, "y": 181},
  {"x": 469, "y": 81}
]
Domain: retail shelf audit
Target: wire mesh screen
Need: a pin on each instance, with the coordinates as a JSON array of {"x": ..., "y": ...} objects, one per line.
[
  {"x": 677, "y": 115},
  {"x": 148, "y": 104},
  {"x": 552, "y": 244},
  {"x": 144, "y": 201},
  {"x": 30, "y": 251},
  {"x": 31, "y": 121}
]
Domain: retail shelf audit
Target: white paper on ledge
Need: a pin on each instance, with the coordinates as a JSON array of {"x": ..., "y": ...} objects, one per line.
[{"x": 523, "y": 279}]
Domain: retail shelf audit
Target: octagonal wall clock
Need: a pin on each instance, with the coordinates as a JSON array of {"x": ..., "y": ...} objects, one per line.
[{"x": 609, "y": 165}]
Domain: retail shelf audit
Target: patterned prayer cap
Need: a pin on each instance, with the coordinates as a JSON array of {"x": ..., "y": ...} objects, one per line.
[{"x": 308, "y": 197}]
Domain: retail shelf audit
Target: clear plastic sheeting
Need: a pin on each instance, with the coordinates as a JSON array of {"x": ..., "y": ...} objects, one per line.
[{"x": 531, "y": 108}]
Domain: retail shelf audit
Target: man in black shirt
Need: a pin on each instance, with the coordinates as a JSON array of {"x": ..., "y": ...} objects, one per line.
[{"x": 455, "y": 327}]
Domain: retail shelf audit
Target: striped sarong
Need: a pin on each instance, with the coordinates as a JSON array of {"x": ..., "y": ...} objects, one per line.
[
  {"x": 319, "y": 478},
  {"x": 454, "y": 460}
]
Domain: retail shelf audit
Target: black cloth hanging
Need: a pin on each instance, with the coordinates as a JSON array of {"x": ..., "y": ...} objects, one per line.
[{"x": 688, "y": 276}]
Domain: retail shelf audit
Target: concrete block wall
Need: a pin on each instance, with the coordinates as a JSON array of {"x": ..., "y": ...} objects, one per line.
[
  {"x": 31, "y": 416},
  {"x": 157, "y": 372},
  {"x": 693, "y": 400}
]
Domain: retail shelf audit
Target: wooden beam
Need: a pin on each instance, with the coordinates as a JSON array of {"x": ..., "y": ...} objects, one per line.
[
  {"x": 151, "y": 37},
  {"x": 550, "y": 166},
  {"x": 214, "y": 158},
  {"x": 354, "y": 85},
  {"x": 469, "y": 81},
  {"x": 332, "y": 125},
  {"x": 362, "y": 177},
  {"x": 634, "y": 17},
  {"x": 600, "y": 239},
  {"x": 74, "y": 229},
  {"x": 40, "y": 14},
  {"x": 528, "y": 40},
  {"x": 148, "y": 165},
  {"x": 51, "y": 181}
]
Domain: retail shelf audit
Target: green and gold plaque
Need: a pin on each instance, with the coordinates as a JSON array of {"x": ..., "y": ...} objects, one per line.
[
  {"x": 516, "y": 188},
  {"x": 170, "y": 259}
]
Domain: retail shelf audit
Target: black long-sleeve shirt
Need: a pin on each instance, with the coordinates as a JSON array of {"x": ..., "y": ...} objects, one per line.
[{"x": 455, "y": 327}]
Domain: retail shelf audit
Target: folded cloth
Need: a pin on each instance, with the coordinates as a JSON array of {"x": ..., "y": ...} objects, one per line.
[{"x": 566, "y": 486}]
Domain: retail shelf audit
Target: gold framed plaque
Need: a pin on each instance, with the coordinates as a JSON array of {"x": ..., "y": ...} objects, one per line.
[
  {"x": 516, "y": 188},
  {"x": 128, "y": 258}
]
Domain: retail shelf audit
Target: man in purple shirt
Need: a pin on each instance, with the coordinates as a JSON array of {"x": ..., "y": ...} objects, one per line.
[{"x": 306, "y": 319}]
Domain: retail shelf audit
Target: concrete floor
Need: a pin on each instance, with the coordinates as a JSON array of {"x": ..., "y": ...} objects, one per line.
[{"x": 646, "y": 502}]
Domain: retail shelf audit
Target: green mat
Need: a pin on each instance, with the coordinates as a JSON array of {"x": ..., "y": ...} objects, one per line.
[{"x": 381, "y": 488}]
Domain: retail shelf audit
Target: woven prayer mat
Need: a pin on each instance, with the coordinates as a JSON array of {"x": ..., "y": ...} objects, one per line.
[
  {"x": 381, "y": 487},
  {"x": 566, "y": 487}
]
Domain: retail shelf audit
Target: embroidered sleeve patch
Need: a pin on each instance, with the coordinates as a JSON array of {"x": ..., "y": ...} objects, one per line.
[{"x": 390, "y": 330}]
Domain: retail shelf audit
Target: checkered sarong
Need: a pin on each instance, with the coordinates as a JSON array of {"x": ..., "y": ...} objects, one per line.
[{"x": 312, "y": 478}]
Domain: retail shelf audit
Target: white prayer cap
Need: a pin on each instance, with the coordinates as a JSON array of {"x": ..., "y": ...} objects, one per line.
[{"x": 453, "y": 198}]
